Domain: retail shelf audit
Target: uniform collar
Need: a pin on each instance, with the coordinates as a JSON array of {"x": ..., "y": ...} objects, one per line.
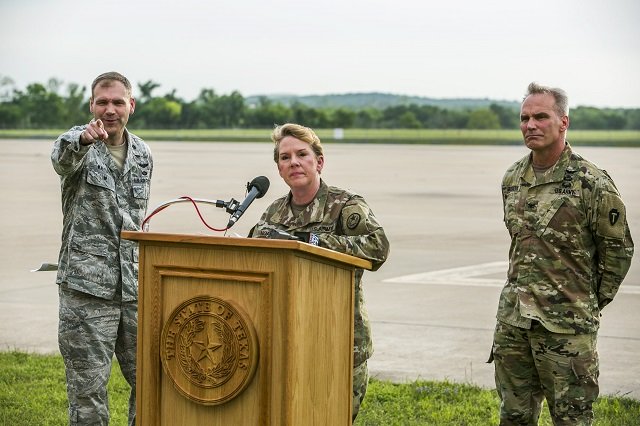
[
  {"x": 558, "y": 170},
  {"x": 132, "y": 152},
  {"x": 104, "y": 152},
  {"x": 313, "y": 213}
]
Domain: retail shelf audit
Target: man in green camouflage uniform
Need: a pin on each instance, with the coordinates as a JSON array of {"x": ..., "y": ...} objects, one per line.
[
  {"x": 570, "y": 250},
  {"x": 329, "y": 217},
  {"x": 105, "y": 175}
]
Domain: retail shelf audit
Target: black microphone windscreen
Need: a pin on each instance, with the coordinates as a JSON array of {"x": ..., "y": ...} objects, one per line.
[{"x": 261, "y": 183}]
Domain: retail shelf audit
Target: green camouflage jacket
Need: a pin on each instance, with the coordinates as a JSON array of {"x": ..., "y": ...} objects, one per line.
[
  {"x": 99, "y": 201},
  {"x": 342, "y": 222},
  {"x": 570, "y": 244}
]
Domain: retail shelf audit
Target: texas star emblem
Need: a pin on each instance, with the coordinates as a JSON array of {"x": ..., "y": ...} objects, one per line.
[{"x": 209, "y": 349}]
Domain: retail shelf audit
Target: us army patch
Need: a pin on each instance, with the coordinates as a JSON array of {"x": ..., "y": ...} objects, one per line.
[
  {"x": 612, "y": 217},
  {"x": 353, "y": 220}
]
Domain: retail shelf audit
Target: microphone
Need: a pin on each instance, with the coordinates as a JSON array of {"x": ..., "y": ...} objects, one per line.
[{"x": 257, "y": 188}]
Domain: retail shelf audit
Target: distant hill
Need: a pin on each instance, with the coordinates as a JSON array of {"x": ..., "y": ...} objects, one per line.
[{"x": 378, "y": 101}]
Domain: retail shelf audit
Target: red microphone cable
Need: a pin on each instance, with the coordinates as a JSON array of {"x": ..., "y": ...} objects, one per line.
[{"x": 145, "y": 222}]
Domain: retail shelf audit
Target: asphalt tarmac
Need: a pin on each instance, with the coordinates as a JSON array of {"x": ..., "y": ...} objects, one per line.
[{"x": 432, "y": 305}]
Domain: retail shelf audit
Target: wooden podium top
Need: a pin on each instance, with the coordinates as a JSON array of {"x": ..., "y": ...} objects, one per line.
[{"x": 247, "y": 242}]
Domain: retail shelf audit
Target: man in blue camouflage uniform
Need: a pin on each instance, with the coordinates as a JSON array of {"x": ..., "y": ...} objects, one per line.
[
  {"x": 329, "y": 217},
  {"x": 570, "y": 250},
  {"x": 105, "y": 175}
]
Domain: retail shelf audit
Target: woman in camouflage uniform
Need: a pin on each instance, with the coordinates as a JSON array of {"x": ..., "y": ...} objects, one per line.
[{"x": 329, "y": 217}]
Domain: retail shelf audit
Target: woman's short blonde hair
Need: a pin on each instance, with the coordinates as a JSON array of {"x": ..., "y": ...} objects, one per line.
[{"x": 297, "y": 131}]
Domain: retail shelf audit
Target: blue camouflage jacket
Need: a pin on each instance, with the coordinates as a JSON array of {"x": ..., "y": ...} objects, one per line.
[{"x": 98, "y": 202}]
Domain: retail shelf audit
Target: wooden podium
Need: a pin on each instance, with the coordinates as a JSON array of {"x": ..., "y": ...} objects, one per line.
[{"x": 243, "y": 331}]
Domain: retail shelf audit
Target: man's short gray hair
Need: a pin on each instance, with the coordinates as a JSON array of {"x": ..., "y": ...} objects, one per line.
[{"x": 560, "y": 96}]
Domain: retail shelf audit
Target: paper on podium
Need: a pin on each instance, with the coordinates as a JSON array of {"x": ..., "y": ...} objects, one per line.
[{"x": 46, "y": 267}]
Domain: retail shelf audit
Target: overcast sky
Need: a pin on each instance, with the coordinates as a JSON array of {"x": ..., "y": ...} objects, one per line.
[{"x": 440, "y": 49}]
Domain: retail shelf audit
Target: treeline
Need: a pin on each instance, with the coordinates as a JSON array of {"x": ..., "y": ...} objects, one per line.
[{"x": 55, "y": 105}]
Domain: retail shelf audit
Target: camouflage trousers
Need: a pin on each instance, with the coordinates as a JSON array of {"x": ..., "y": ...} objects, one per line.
[
  {"x": 90, "y": 331},
  {"x": 360, "y": 383},
  {"x": 534, "y": 364}
]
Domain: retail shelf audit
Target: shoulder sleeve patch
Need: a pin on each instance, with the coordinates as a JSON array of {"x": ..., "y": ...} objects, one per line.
[
  {"x": 612, "y": 216},
  {"x": 354, "y": 220}
]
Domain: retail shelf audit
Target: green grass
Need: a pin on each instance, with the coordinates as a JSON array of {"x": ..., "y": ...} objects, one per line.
[
  {"x": 629, "y": 138},
  {"x": 32, "y": 392},
  {"x": 455, "y": 404}
]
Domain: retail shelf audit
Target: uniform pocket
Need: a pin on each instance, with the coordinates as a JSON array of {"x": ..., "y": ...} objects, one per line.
[
  {"x": 511, "y": 219},
  {"x": 98, "y": 176},
  {"x": 140, "y": 191},
  {"x": 90, "y": 261},
  {"x": 140, "y": 187},
  {"x": 586, "y": 372},
  {"x": 562, "y": 223},
  {"x": 96, "y": 248},
  {"x": 577, "y": 390},
  {"x": 545, "y": 219}
]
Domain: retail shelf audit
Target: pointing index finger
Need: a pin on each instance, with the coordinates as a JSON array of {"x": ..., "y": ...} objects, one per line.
[{"x": 102, "y": 133}]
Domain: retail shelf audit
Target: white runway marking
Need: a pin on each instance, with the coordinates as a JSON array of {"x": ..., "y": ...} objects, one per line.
[
  {"x": 464, "y": 276},
  {"x": 471, "y": 276}
]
